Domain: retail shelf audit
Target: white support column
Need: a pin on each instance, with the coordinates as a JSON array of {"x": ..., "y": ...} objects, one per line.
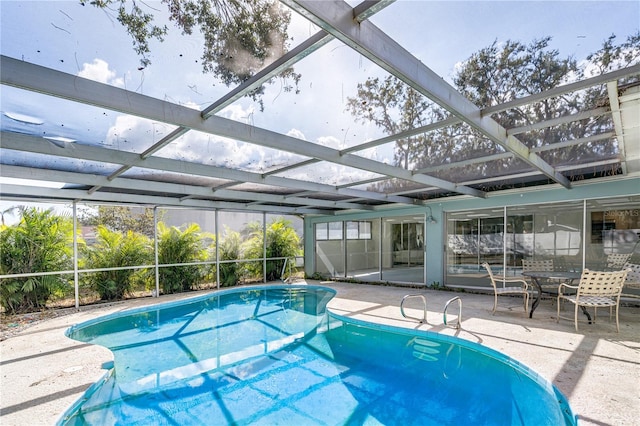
[
  {"x": 584, "y": 234},
  {"x": 217, "y": 249},
  {"x": 155, "y": 250},
  {"x": 76, "y": 286},
  {"x": 504, "y": 243},
  {"x": 380, "y": 248},
  {"x": 344, "y": 249},
  {"x": 424, "y": 248},
  {"x": 264, "y": 247}
]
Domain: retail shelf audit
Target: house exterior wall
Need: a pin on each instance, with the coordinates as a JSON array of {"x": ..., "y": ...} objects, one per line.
[{"x": 436, "y": 232}]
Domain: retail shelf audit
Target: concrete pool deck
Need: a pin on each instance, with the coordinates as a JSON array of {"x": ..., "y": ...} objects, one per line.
[{"x": 598, "y": 370}]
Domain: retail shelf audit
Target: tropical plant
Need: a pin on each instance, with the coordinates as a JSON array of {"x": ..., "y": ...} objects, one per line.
[
  {"x": 230, "y": 248},
  {"x": 41, "y": 242},
  {"x": 177, "y": 246},
  {"x": 282, "y": 242},
  {"x": 117, "y": 250}
]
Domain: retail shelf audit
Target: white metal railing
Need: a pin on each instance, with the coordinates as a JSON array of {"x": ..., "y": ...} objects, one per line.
[
  {"x": 424, "y": 301},
  {"x": 444, "y": 313},
  {"x": 457, "y": 325}
]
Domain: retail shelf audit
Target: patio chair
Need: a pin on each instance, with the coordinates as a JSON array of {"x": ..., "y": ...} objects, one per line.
[
  {"x": 632, "y": 281},
  {"x": 522, "y": 289},
  {"x": 549, "y": 286},
  {"x": 537, "y": 265},
  {"x": 616, "y": 261},
  {"x": 596, "y": 289},
  {"x": 529, "y": 265}
]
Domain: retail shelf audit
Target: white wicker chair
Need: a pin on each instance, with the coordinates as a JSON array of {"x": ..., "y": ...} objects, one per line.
[
  {"x": 632, "y": 281},
  {"x": 529, "y": 265},
  {"x": 596, "y": 290},
  {"x": 523, "y": 289},
  {"x": 537, "y": 265}
]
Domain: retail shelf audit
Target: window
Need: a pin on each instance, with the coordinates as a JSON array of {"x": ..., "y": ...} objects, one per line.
[
  {"x": 616, "y": 229},
  {"x": 322, "y": 231},
  {"x": 335, "y": 230},
  {"x": 359, "y": 230},
  {"x": 329, "y": 231}
]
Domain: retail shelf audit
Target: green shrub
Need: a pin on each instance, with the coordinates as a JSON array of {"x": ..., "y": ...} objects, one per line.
[
  {"x": 40, "y": 242},
  {"x": 176, "y": 246},
  {"x": 282, "y": 241},
  {"x": 115, "y": 249},
  {"x": 230, "y": 249}
]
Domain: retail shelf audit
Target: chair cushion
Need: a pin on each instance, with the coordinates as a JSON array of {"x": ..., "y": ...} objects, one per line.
[
  {"x": 594, "y": 301},
  {"x": 504, "y": 290}
]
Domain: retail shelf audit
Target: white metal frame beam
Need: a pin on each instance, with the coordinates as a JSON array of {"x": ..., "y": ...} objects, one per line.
[
  {"x": 336, "y": 17},
  {"x": 313, "y": 43},
  {"x": 565, "y": 88},
  {"x": 616, "y": 115},
  {"x": 557, "y": 91},
  {"x": 28, "y": 143},
  {"x": 350, "y": 26},
  {"x": 17, "y": 192},
  {"x": 55, "y": 83},
  {"x": 193, "y": 191},
  {"x": 498, "y": 156}
]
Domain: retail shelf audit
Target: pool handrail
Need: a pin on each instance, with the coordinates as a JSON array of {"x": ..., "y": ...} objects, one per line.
[
  {"x": 424, "y": 301},
  {"x": 444, "y": 313}
]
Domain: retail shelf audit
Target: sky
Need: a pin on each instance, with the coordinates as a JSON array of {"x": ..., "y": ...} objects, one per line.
[{"x": 90, "y": 43}]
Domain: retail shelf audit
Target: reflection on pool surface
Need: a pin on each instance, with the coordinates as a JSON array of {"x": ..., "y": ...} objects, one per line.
[{"x": 272, "y": 355}]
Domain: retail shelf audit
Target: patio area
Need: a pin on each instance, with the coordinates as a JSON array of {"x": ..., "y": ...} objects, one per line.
[
  {"x": 596, "y": 368},
  {"x": 385, "y": 135}
]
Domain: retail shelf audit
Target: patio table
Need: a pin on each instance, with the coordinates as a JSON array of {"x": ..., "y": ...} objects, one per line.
[{"x": 559, "y": 276}]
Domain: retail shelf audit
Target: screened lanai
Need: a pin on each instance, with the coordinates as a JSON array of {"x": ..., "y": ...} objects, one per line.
[{"x": 387, "y": 189}]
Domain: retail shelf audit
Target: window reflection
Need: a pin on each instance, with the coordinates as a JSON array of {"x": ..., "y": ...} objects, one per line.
[
  {"x": 540, "y": 232},
  {"x": 613, "y": 231}
]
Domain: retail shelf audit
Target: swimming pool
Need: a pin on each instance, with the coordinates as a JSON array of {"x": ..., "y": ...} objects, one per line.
[{"x": 274, "y": 355}]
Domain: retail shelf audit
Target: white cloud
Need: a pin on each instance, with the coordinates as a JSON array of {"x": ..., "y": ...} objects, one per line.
[
  {"x": 202, "y": 148},
  {"x": 329, "y": 174},
  {"x": 295, "y": 133},
  {"x": 237, "y": 112},
  {"x": 330, "y": 142},
  {"x": 190, "y": 104},
  {"x": 135, "y": 134},
  {"x": 99, "y": 71}
]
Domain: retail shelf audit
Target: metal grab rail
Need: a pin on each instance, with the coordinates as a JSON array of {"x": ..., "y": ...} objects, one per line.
[
  {"x": 444, "y": 313},
  {"x": 424, "y": 301}
]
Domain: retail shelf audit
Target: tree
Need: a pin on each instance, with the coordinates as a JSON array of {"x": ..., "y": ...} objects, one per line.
[
  {"x": 614, "y": 56},
  {"x": 240, "y": 36},
  {"x": 122, "y": 219},
  {"x": 494, "y": 75},
  {"x": 41, "y": 242},
  {"x": 394, "y": 107},
  {"x": 501, "y": 73},
  {"x": 180, "y": 246}
]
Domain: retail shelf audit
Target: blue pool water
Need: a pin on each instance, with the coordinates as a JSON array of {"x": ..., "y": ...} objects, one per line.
[{"x": 272, "y": 355}]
